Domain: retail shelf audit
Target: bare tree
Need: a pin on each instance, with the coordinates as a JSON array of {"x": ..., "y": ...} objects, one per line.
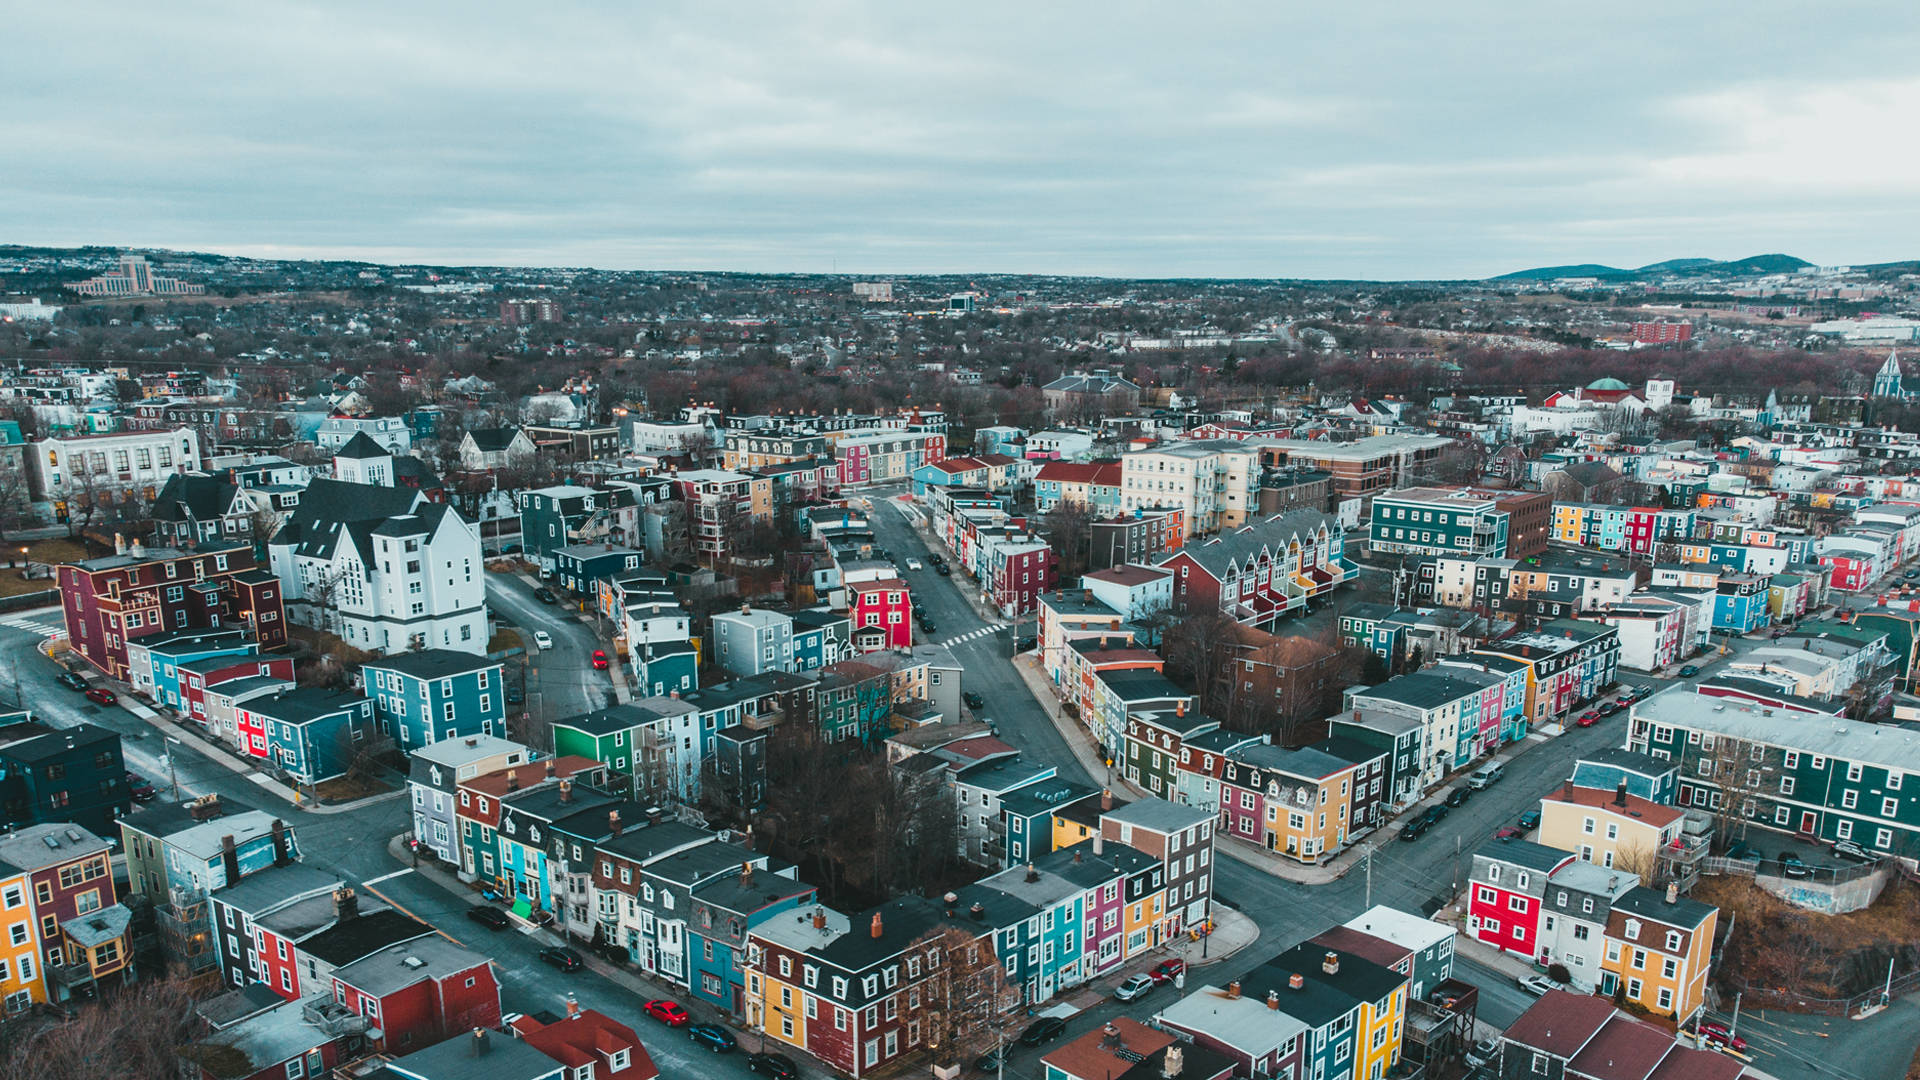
[
  {"x": 966, "y": 1005},
  {"x": 1068, "y": 528},
  {"x": 142, "y": 1033}
]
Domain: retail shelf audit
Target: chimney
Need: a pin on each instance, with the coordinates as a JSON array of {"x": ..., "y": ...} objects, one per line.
[
  {"x": 1273, "y": 999},
  {"x": 1566, "y": 789},
  {"x": 513, "y": 779},
  {"x": 1673, "y": 893},
  {"x": 613, "y": 823},
  {"x": 653, "y": 815},
  {"x": 1170, "y": 1068},
  {"x": 877, "y": 929},
  {"x": 229, "y": 859},
  {"x": 137, "y": 549},
  {"x": 1620, "y": 796},
  {"x": 746, "y": 875},
  {"x": 1106, "y": 799},
  {"x": 553, "y": 769},
  {"x": 1295, "y": 981},
  {"x": 1098, "y": 841},
  {"x": 1356, "y": 714},
  {"x": 480, "y": 1047},
  {"x": 473, "y": 740},
  {"x": 674, "y": 694},
  {"x": 1233, "y": 989},
  {"x": 345, "y": 904},
  {"x": 1032, "y": 874},
  {"x": 1331, "y": 963},
  {"x": 119, "y": 544},
  {"x": 978, "y": 911},
  {"x": 819, "y": 919},
  {"x": 573, "y": 1007},
  {"x": 566, "y": 791},
  {"x": 1180, "y": 707}
]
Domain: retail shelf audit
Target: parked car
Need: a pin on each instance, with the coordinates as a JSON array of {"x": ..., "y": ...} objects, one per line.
[
  {"x": 1486, "y": 775},
  {"x": 1537, "y": 985},
  {"x": 992, "y": 1059},
  {"x": 1739, "y": 850},
  {"x": 102, "y": 695},
  {"x": 973, "y": 700},
  {"x": 490, "y": 917},
  {"x": 545, "y": 595},
  {"x": 564, "y": 959},
  {"x": 1482, "y": 1052},
  {"x": 1588, "y": 718},
  {"x": 943, "y": 570},
  {"x": 670, "y": 1013},
  {"x": 1167, "y": 969},
  {"x": 1411, "y": 830},
  {"x": 1610, "y": 708},
  {"x": 1025, "y": 644},
  {"x": 1436, "y": 812},
  {"x": 1792, "y": 865},
  {"x": 600, "y": 659},
  {"x": 713, "y": 1037},
  {"x": 927, "y": 626},
  {"x": 1135, "y": 986},
  {"x": 915, "y": 564},
  {"x": 140, "y": 789},
  {"x": 1509, "y": 832},
  {"x": 1689, "y": 671},
  {"x": 516, "y": 695},
  {"x": 1045, "y": 1029},
  {"x": 1459, "y": 796},
  {"x": 1530, "y": 819},
  {"x": 1853, "y": 852},
  {"x": 71, "y": 680},
  {"x": 936, "y": 559},
  {"x": 778, "y": 1066},
  {"x": 542, "y": 640},
  {"x": 1715, "y": 1032}
]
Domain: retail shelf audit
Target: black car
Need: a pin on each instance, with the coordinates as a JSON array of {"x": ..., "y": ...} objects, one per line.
[
  {"x": 545, "y": 596},
  {"x": 1436, "y": 812},
  {"x": 926, "y": 624},
  {"x": 973, "y": 700},
  {"x": 564, "y": 959},
  {"x": 1045, "y": 1029},
  {"x": 1459, "y": 796},
  {"x": 936, "y": 559},
  {"x": 1411, "y": 830},
  {"x": 943, "y": 569},
  {"x": 713, "y": 1037},
  {"x": 1791, "y": 866},
  {"x": 778, "y": 1066},
  {"x": 991, "y": 1060},
  {"x": 71, "y": 680},
  {"x": 1025, "y": 644},
  {"x": 516, "y": 694},
  {"x": 490, "y": 917}
]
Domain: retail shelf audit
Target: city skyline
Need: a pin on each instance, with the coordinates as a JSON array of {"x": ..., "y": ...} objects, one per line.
[{"x": 1349, "y": 143}]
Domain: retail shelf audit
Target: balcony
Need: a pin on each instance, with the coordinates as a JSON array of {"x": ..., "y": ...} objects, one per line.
[{"x": 332, "y": 1017}]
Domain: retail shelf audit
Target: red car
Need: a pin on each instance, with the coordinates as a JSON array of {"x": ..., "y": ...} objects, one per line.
[
  {"x": 1588, "y": 718},
  {"x": 1714, "y": 1031},
  {"x": 667, "y": 1012},
  {"x": 1167, "y": 970},
  {"x": 600, "y": 659},
  {"x": 102, "y": 695},
  {"x": 1509, "y": 832}
]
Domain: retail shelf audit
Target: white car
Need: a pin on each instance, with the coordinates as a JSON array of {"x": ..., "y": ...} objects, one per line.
[
  {"x": 1135, "y": 986},
  {"x": 1537, "y": 985},
  {"x": 914, "y": 564},
  {"x": 542, "y": 640}
]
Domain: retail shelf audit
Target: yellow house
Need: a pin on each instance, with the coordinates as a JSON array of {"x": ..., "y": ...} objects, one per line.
[
  {"x": 1659, "y": 950},
  {"x": 1382, "y": 1031},
  {"x": 1140, "y": 921},
  {"x": 1312, "y": 829},
  {"x": 1566, "y": 522},
  {"x": 781, "y": 1008},
  {"x": 1380, "y": 988},
  {"x": 21, "y": 981},
  {"x": 1609, "y": 828}
]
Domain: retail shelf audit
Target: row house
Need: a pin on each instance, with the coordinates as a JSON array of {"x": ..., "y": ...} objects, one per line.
[
  {"x": 1820, "y": 777},
  {"x": 52, "y": 775},
  {"x": 1635, "y": 530},
  {"x": 757, "y": 449},
  {"x": 419, "y": 992},
  {"x": 1256, "y": 574},
  {"x": 1659, "y": 628},
  {"x": 1659, "y": 952},
  {"x": 1574, "y": 911},
  {"x": 1139, "y": 536},
  {"x": 1505, "y": 891},
  {"x": 887, "y": 458},
  {"x": 67, "y": 934},
  {"x": 1087, "y": 664},
  {"x": 880, "y": 609},
  {"x": 1298, "y": 803},
  {"x": 1397, "y": 741},
  {"x": 430, "y": 695},
  {"x": 1461, "y": 714},
  {"x": 312, "y": 734},
  {"x": 643, "y": 914},
  {"x": 545, "y": 872},
  {"x": 1566, "y": 663},
  {"x": 178, "y": 855},
  {"x": 1119, "y": 696},
  {"x": 110, "y": 602},
  {"x": 567, "y": 515},
  {"x": 1018, "y": 570},
  {"x": 726, "y": 909},
  {"x": 1567, "y": 1036},
  {"x": 1068, "y": 615},
  {"x": 288, "y": 928},
  {"x": 1856, "y": 558},
  {"x": 199, "y": 679},
  {"x": 1460, "y": 521},
  {"x": 481, "y": 812},
  {"x": 153, "y": 662},
  {"x": 435, "y": 773},
  {"x": 1095, "y": 486},
  {"x": 1610, "y": 827},
  {"x": 995, "y": 472}
]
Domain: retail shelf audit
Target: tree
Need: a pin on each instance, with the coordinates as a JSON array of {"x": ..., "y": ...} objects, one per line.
[
  {"x": 1732, "y": 773},
  {"x": 15, "y": 497},
  {"x": 1068, "y": 528},
  {"x": 1194, "y": 644},
  {"x": 966, "y": 1005},
  {"x": 141, "y": 1033}
]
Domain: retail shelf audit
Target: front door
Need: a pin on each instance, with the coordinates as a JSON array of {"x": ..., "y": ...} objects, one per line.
[{"x": 1808, "y": 822}]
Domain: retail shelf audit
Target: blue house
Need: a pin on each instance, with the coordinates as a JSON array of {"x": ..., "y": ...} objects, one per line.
[
  {"x": 312, "y": 733},
  {"x": 725, "y": 911},
  {"x": 661, "y": 668},
  {"x": 1740, "y": 603},
  {"x": 1054, "y": 929},
  {"x": 421, "y": 697},
  {"x": 1014, "y": 924},
  {"x": 820, "y": 638},
  {"x": 579, "y": 567},
  {"x": 153, "y": 662}
]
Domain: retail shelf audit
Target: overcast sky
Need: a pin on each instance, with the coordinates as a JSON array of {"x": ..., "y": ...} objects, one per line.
[{"x": 1268, "y": 138}]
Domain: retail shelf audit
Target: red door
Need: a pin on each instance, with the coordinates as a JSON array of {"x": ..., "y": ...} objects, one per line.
[{"x": 1807, "y": 822}]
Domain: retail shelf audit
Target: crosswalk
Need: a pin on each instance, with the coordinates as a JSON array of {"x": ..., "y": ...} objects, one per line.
[
  {"x": 39, "y": 622},
  {"x": 974, "y": 635}
]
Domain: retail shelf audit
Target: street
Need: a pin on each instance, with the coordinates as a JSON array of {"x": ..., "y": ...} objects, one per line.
[{"x": 561, "y": 681}]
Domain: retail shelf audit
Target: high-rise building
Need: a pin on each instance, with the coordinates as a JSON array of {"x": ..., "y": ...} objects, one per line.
[{"x": 135, "y": 277}]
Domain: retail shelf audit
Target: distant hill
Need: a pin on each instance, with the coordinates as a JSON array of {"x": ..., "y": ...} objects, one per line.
[{"x": 1755, "y": 265}]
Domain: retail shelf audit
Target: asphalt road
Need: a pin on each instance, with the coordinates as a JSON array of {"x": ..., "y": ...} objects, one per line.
[{"x": 561, "y": 681}]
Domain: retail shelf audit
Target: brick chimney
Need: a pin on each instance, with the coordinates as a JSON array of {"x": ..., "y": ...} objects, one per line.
[
  {"x": 281, "y": 853},
  {"x": 877, "y": 930},
  {"x": 1106, "y": 799},
  {"x": 230, "y": 859},
  {"x": 1273, "y": 998},
  {"x": 552, "y": 769},
  {"x": 819, "y": 919},
  {"x": 1295, "y": 981},
  {"x": 1331, "y": 963},
  {"x": 566, "y": 791},
  {"x": 613, "y": 823},
  {"x": 513, "y": 779},
  {"x": 1620, "y": 796},
  {"x": 1233, "y": 989},
  {"x": 345, "y": 904}
]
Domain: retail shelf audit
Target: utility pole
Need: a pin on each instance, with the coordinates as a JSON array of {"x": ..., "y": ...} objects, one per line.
[
  {"x": 1733, "y": 1026},
  {"x": 1369, "y": 857}
]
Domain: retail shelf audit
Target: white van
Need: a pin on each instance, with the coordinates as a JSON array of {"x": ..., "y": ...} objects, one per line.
[{"x": 1485, "y": 775}]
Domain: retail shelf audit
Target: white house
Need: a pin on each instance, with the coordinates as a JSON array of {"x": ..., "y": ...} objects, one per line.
[{"x": 391, "y": 432}]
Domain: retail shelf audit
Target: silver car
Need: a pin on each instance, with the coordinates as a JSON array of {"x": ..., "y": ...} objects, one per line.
[{"x": 1136, "y": 986}]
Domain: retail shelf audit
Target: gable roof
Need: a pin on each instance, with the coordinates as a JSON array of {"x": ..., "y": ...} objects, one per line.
[
  {"x": 362, "y": 447},
  {"x": 1560, "y": 1023},
  {"x": 1220, "y": 555}
]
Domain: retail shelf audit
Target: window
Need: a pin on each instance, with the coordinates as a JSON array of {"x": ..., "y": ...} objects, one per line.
[
  {"x": 1786, "y": 785},
  {"x": 1889, "y": 807},
  {"x": 1853, "y": 771}
]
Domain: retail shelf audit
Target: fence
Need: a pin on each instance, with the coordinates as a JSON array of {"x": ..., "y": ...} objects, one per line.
[
  {"x": 1790, "y": 1000},
  {"x": 25, "y": 601}
]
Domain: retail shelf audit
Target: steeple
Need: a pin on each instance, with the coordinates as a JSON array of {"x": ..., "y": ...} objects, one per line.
[{"x": 1886, "y": 382}]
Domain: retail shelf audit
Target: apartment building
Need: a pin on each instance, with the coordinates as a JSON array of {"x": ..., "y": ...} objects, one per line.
[
  {"x": 68, "y": 473},
  {"x": 1471, "y": 521},
  {"x": 1213, "y": 483}
]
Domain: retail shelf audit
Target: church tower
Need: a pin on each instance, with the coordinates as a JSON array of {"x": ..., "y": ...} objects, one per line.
[{"x": 1886, "y": 382}]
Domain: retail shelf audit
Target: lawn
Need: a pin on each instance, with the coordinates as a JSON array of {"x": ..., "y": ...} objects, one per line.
[{"x": 42, "y": 554}]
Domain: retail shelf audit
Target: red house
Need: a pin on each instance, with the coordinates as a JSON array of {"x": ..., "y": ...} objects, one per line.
[
  {"x": 1851, "y": 573},
  {"x": 254, "y": 1035},
  {"x": 880, "y": 609},
  {"x": 131, "y": 594},
  {"x": 84, "y": 932},
  {"x": 419, "y": 992},
  {"x": 1504, "y": 894},
  {"x": 1021, "y": 571},
  {"x": 197, "y": 675},
  {"x": 589, "y": 1043}
]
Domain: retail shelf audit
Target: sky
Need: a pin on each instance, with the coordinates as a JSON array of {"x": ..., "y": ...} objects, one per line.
[{"x": 1194, "y": 139}]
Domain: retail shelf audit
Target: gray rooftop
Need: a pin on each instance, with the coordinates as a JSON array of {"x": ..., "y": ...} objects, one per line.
[
  {"x": 1158, "y": 815},
  {"x": 407, "y": 963},
  {"x": 1828, "y": 736}
]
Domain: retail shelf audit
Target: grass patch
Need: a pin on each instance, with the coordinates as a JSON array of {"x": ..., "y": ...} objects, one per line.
[
  {"x": 504, "y": 639},
  {"x": 43, "y": 554},
  {"x": 348, "y": 788}
]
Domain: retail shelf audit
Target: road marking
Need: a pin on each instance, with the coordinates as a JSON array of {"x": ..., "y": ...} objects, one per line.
[
  {"x": 402, "y": 909},
  {"x": 384, "y": 877}
]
